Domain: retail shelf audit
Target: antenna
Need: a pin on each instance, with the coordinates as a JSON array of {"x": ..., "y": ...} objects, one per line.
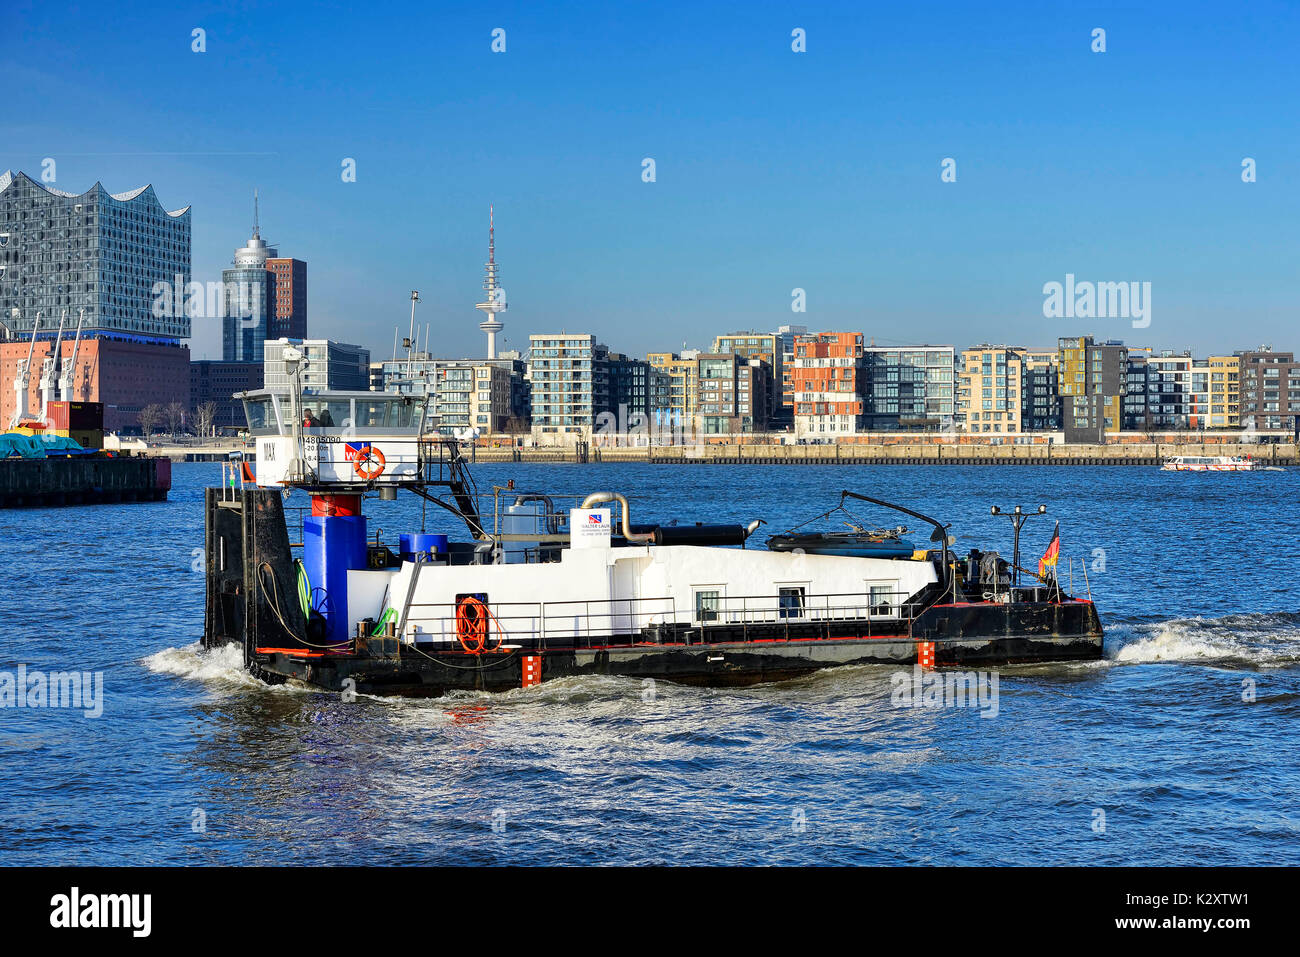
[
  {"x": 495, "y": 302},
  {"x": 257, "y": 217}
]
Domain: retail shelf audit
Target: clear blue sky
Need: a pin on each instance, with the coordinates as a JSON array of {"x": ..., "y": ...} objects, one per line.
[{"x": 775, "y": 170}]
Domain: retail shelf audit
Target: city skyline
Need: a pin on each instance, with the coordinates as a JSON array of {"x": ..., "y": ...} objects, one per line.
[{"x": 763, "y": 184}]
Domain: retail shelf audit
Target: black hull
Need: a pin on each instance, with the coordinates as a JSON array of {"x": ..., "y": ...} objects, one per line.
[{"x": 430, "y": 673}]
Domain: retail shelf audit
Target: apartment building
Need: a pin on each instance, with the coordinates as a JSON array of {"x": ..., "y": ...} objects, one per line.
[
  {"x": 1092, "y": 380},
  {"x": 990, "y": 396},
  {"x": 767, "y": 346},
  {"x": 735, "y": 394},
  {"x": 908, "y": 389},
  {"x": 827, "y": 381},
  {"x": 1270, "y": 390},
  {"x": 1225, "y": 392},
  {"x": 1040, "y": 404},
  {"x": 681, "y": 372}
]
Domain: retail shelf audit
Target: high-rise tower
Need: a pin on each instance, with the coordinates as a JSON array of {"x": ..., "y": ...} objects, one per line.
[
  {"x": 244, "y": 324},
  {"x": 496, "y": 296}
]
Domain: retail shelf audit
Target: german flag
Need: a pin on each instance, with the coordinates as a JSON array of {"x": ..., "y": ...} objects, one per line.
[{"x": 1052, "y": 554}]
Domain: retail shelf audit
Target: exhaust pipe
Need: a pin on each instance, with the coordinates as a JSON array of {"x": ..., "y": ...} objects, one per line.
[{"x": 600, "y": 498}]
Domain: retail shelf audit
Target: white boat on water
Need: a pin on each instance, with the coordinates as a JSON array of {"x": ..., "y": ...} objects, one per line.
[{"x": 1208, "y": 463}]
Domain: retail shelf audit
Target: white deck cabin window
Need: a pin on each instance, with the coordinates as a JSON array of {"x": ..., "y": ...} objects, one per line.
[
  {"x": 791, "y": 601},
  {"x": 883, "y": 599},
  {"x": 708, "y": 603}
]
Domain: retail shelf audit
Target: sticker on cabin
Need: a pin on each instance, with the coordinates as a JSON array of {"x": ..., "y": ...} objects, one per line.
[{"x": 589, "y": 528}]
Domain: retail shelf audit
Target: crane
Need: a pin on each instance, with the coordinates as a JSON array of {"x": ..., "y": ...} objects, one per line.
[
  {"x": 68, "y": 375},
  {"x": 23, "y": 377},
  {"x": 48, "y": 368}
]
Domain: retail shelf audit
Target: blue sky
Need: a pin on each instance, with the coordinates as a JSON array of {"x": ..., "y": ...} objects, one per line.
[{"x": 775, "y": 169}]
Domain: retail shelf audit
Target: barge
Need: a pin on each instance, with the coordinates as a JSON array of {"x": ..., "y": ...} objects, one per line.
[
  {"x": 533, "y": 591},
  {"x": 93, "y": 479}
]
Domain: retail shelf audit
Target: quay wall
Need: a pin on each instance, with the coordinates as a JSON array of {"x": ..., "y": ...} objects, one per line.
[{"x": 931, "y": 454}]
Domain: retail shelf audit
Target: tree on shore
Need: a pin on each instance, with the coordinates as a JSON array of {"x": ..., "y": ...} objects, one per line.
[
  {"x": 205, "y": 415},
  {"x": 175, "y": 414},
  {"x": 151, "y": 416}
]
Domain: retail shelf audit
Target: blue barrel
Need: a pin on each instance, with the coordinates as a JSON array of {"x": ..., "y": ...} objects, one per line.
[
  {"x": 332, "y": 545},
  {"x": 423, "y": 546}
]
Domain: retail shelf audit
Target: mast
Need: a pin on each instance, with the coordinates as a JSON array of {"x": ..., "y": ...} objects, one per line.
[{"x": 410, "y": 339}]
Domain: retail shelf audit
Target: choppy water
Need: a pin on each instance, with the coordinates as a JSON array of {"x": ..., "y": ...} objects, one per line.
[{"x": 193, "y": 762}]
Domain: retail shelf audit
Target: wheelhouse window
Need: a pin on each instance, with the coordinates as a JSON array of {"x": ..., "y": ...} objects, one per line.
[
  {"x": 387, "y": 413},
  {"x": 322, "y": 414},
  {"x": 261, "y": 416}
]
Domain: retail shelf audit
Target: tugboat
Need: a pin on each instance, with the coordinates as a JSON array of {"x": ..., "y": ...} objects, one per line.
[{"x": 535, "y": 592}]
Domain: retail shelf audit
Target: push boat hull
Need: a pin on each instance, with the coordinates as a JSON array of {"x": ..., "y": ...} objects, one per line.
[
  {"x": 709, "y": 662},
  {"x": 250, "y": 567}
]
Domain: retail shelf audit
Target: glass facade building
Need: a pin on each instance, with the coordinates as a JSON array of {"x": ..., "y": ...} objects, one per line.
[
  {"x": 244, "y": 326},
  {"x": 120, "y": 257},
  {"x": 909, "y": 389}
]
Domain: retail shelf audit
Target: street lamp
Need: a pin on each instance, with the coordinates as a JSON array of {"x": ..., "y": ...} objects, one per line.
[{"x": 1018, "y": 518}]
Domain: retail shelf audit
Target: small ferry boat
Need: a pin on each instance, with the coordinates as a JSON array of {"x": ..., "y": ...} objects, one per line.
[
  {"x": 1208, "y": 463},
  {"x": 533, "y": 591}
]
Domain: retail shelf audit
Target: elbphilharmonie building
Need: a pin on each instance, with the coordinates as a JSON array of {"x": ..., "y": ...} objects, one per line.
[{"x": 99, "y": 258}]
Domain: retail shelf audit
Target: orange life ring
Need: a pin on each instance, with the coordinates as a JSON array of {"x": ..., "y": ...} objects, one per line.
[
  {"x": 472, "y": 624},
  {"x": 369, "y": 463}
]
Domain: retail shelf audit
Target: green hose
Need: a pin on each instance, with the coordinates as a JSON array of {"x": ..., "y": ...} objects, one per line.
[
  {"x": 389, "y": 613},
  {"x": 304, "y": 588}
]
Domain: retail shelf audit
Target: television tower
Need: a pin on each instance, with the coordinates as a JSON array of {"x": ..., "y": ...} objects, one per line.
[{"x": 496, "y": 296}]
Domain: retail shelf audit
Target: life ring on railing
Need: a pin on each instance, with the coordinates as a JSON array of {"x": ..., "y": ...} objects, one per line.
[
  {"x": 369, "y": 463},
  {"x": 472, "y": 624}
]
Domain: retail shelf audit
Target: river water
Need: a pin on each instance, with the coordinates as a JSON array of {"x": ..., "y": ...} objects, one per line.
[{"x": 1178, "y": 748}]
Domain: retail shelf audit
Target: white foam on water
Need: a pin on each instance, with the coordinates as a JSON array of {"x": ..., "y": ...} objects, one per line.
[
  {"x": 1263, "y": 640},
  {"x": 222, "y": 666}
]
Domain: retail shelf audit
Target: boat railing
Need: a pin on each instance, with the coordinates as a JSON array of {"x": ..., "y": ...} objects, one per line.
[
  {"x": 629, "y": 621},
  {"x": 440, "y": 458}
]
